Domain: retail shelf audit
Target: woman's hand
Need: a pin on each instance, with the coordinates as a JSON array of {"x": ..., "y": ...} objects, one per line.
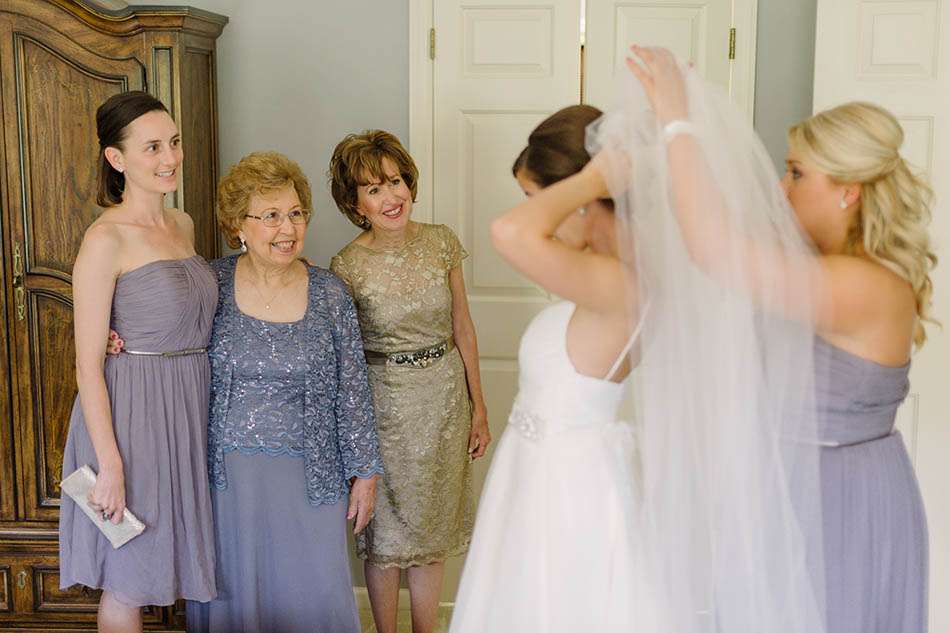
[
  {"x": 108, "y": 495},
  {"x": 114, "y": 344},
  {"x": 660, "y": 75},
  {"x": 362, "y": 502},
  {"x": 479, "y": 438}
]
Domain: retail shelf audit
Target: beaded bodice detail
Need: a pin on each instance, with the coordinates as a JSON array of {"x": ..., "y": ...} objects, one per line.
[
  {"x": 299, "y": 388},
  {"x": 267, "y": 388},
  {"x": 553, "y": 397}
]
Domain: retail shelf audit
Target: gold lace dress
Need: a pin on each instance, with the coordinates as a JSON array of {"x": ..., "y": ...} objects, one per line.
[{"x": 424, "y": 505}]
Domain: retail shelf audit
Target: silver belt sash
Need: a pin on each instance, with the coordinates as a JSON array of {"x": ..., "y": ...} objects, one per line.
[{"x": 180, "y": 352}]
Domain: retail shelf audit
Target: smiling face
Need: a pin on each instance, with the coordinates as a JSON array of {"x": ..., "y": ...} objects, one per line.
[
  {"x": 150, "y": 154},
  {"x": 386, "y": 203},
  {"x": 280, "y": 245}
]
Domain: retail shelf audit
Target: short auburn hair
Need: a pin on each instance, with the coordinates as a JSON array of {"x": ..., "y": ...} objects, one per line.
[
  {"x": 256, "y": 173},
  {"x": 359, "y": 158}
]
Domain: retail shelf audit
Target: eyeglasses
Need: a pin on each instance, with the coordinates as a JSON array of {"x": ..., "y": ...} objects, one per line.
[{"x": 273, "y": 219}]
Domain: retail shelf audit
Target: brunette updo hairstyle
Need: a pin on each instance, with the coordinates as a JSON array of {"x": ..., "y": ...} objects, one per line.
[
  {"x": 556, "y": 147},
  {"x": 112, "y": 121}
]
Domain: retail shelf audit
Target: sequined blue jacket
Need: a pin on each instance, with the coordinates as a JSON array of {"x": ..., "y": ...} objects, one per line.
[{"x": 340, "y": 438}]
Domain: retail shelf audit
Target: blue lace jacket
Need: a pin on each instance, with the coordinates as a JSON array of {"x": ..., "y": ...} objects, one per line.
[{"x": 340, "y": 438}]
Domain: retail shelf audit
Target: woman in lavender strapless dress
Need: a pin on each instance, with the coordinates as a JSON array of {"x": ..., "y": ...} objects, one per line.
[
  {"x": 867, "y": 215},
  {"x": 140, "y": 418}
]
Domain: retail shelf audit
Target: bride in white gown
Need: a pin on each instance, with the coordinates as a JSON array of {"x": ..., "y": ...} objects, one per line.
[
  {"x": 705, "y": 517},
  {"x": 551, "y": 545}
]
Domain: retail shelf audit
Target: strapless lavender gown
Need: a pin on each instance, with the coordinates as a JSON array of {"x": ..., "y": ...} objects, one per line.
[
  {"x": 160, "y": 417},
  {"x": 875, "y": 530}
]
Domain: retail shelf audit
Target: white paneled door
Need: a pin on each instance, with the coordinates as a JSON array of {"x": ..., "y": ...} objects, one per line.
[
  {"x": 891, "y": 53},
  {"x": 500, "y": 67},
  {"x": 481, "y": 79},
  {"x": 718, "y": 36}
]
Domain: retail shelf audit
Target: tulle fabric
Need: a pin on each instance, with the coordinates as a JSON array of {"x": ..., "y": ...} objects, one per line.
[{"x": 727, "y": 499}]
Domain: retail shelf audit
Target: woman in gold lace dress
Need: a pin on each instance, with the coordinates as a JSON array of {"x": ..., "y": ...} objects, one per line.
[{"x": 406, "y": 280}]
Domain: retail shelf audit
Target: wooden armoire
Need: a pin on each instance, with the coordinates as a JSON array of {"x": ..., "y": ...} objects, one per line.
[{"x": 59, "y": 59}]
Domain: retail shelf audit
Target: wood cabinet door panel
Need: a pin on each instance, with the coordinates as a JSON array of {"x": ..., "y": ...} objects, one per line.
[
  {"x": 6, "y": 597},
  {"x": 199, "y": 131},
  {"x": 49, "y": 598},
  {"x": 76, "y": 603},
  {"x": 30, "y": 597},
  {"x": 51, "y": 156}
]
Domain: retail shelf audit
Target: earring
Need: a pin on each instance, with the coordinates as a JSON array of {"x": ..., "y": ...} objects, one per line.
[
  {"x": 243, "y": 245},
  {"x": 582, "y": 211},
  {"x": 119, "y": 169},
  {"x": 843, "y": 204}
]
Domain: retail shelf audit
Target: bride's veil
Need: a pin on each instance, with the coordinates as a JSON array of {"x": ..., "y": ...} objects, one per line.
[{"x": 727, "y": 495}]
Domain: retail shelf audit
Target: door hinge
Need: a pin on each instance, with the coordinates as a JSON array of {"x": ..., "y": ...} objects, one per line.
[
  {"x": 732, "y": 43},
  {"x": 431, "y": 43}
]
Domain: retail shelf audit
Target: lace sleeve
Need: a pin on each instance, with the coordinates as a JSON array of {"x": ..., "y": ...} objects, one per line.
[
  {"x": 452, "y": 248},
  {"x": 338, "y": 268},
  {"x": 355, "y": 418}
]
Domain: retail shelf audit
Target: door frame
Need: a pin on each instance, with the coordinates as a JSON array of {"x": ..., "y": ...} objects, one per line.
[
  {"x": 421, "y": 103},
  {"x": 743, "y": 66}
]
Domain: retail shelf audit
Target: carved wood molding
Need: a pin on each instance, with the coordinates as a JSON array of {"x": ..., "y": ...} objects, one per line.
[{"x": 130, "y": 21}]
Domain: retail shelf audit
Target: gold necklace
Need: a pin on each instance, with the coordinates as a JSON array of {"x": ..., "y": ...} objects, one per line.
[
  {"x": 266, "y": 301},
  {"x": 260, "y": 294}
]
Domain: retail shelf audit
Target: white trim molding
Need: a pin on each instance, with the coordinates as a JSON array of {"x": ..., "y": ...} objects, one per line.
[{"x": 421, "y": 105}]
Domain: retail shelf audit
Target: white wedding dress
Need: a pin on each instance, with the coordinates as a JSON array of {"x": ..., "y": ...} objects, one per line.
[{"x": 552, "y": 545}]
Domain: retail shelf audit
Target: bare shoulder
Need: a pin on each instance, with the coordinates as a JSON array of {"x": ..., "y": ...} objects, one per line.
[
  {"x": 103, "y": 234},
  {"x": 863, "y": 272},
  {"x": 180, "y": 216},
  {"x": 866, "y": 291},
  {"x": 182, "y": 219},
  {"x": 101, "y": 249}
]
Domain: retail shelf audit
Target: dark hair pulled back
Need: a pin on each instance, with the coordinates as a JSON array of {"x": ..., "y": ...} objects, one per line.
[
  {"x": 112, "y": 120},
  {"x": 556, "y": 147}
]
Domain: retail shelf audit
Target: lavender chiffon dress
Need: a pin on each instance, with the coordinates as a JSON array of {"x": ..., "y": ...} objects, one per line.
[
  {"x": 875, "y": 529},
  {"x": 160, "y": 416}
]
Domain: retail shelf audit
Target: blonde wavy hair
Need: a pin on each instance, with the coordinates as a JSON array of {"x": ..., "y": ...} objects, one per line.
[
  {"x": 859, "y": 143},
  {"x": 256, "y": 173}
]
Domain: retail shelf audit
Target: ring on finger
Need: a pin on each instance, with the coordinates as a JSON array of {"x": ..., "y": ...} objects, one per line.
[{"x": 106, "y": 515}]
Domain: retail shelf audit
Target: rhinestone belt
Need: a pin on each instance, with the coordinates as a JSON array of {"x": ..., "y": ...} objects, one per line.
[
  {"x": 180, "y": 352},
  {"x": 420, "y": 358},
  {"x": 528, "y": 423}
]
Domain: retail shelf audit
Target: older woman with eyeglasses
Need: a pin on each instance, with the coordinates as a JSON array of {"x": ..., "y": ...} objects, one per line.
[{"x": 292, "y": 446}]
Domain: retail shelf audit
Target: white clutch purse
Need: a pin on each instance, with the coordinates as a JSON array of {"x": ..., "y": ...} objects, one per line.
[{"x": 78, "y": 485}]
